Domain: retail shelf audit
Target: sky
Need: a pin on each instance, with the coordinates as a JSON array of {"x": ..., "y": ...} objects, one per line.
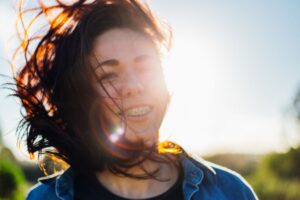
[{"x": 233, "y": 71}]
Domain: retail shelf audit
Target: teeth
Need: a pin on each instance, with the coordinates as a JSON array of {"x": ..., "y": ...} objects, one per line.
[{"x": 138, "y": 111}]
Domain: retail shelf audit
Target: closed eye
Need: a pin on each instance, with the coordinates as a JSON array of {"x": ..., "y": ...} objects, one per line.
[{"x": 108, "y": 76}]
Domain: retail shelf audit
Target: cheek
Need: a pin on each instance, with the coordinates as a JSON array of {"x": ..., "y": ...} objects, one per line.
[
  {"x": 110, "y": 102},
  {"x": 157, "y": 86},
  {"x": 109, "y": 117},
  {"x": 108, "y": 90}
]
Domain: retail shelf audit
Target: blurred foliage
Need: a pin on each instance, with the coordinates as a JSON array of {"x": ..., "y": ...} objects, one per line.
[
  {"x": 277, "y": 176},
  {"x": 242, "y": 163},
  {"x": 12, "y": 181},
  {"x": 273, "y": 176},
  {"x": 5, "y": 153}
]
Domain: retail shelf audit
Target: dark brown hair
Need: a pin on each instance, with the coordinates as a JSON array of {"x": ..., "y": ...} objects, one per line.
[{"x": 55, "y": 88}]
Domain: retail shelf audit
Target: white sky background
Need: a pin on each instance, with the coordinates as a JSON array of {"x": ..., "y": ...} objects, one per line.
[{"x": 233, "y": 70}]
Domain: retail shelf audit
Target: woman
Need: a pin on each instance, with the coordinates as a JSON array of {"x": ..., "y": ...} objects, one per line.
[{"x": 95, "y": 97}]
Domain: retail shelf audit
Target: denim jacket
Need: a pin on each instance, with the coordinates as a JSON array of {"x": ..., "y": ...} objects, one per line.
[{"x": 202, "y": 181}]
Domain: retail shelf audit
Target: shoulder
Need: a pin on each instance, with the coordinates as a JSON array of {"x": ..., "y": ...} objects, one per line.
[
  {"x": 220, "y": 180},
  {"x": 44, "y": 189},
  {"x": 232, "y": 182},
  {"x": 52, "y": 187}
]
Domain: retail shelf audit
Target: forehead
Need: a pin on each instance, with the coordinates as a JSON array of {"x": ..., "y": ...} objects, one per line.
[{"x": 123, "y": 44}]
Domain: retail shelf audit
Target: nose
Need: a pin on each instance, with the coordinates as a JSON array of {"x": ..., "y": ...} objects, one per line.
[{"x": 131, "y": 85}]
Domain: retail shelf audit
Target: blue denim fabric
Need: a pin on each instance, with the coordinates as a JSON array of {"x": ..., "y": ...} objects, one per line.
[{"x": 202, "y": 181}]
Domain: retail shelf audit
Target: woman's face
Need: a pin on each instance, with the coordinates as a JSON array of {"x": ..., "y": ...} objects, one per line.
[{"x": 131, "y": 85}]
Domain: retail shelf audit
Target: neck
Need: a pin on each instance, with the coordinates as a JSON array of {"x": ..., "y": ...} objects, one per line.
[{"x": 143, "y": 188}]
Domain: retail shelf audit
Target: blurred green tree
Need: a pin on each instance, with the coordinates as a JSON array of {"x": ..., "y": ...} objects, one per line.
[
  {"x": 277, "y": 177},
  {"x": 284, "y": 166},
  {"x": 12, "y": 180}
]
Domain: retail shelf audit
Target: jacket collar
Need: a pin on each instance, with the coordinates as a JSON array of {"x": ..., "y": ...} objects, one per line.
[
  {"x": 195, "y": 170},
  {"x": 64, "y": 187}
]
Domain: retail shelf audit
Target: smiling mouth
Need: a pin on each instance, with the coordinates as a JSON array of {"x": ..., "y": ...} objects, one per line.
[{"x": 137, "y": 111}]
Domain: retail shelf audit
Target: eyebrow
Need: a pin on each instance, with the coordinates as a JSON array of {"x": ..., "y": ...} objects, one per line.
[
  {"x": 115, "y": 62},
  {"x": 110, "y": 62}
]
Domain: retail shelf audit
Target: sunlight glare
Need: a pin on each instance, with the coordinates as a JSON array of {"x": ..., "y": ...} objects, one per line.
[
  {"x": 115, "y": 136},
  {"x": 193, "y": 73}
]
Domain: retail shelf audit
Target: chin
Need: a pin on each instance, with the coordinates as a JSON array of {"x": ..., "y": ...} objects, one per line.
[{"x": 148, "y": 138}]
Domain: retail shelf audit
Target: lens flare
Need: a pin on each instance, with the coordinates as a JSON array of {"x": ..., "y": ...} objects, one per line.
[{"x": 116, "y": 134}]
